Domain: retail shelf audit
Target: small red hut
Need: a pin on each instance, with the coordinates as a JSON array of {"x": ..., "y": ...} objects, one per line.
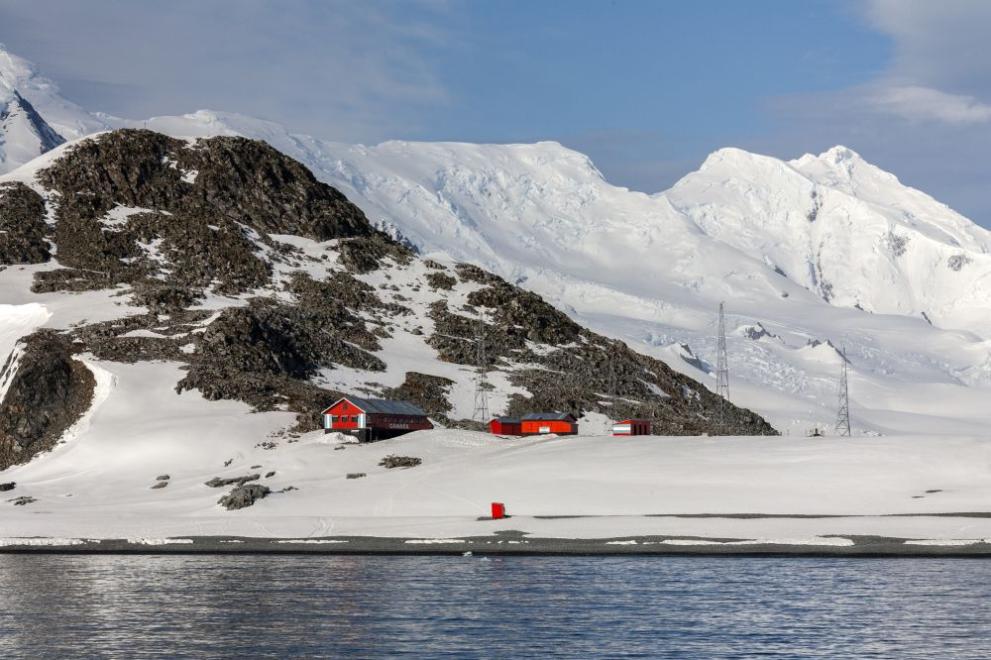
[
  {"x": 631, "y": 427},
  {"x": 549, "y": 422},
  {"x": 505, "y": 426},
  {"x": 374, "y": 419}
]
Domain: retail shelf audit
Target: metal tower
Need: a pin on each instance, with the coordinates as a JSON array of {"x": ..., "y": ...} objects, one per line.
[
  {"x": 481, "y": 412},
  {"x": 613, "y": 384},
  {"x": 843, "y": 409},
  {"x": 722, "y": 366}
]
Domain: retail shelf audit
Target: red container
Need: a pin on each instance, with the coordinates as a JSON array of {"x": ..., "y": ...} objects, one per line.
[{"x": 498, "y": 510}]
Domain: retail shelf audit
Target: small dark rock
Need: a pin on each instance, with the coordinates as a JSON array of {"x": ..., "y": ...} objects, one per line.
[
  {"x": 270, "y": 474},
  {"x": 160, "y": 484},
  {"x": 356, "y": 475},
  {"x": 244, "y": 496},
  {"x": 163, "y": 477},
  {"x": 217, "y": 482},
  {"x": 255, "y": 467},
  {"x": 228, "y": 462},
  {"x": 22, "y": 500},
  {"x": 393, "y": 461},
  {"x": 7, "y": 486}
]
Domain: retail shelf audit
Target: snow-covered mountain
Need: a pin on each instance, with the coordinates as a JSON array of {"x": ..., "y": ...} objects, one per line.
[
  {"x": 809, "y": 255},
  {"x": 24, "y": 135},
  {"x": 34, "y": 118},
  {"x": 847, "y": 231},
  {"x": 63, "y": 116}
]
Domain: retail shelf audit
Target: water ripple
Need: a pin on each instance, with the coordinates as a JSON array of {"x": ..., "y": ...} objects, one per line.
[{"x": 510, "y": 607}]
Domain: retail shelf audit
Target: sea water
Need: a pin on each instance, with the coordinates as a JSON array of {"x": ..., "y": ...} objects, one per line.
[{"x": 241, "y": 606}]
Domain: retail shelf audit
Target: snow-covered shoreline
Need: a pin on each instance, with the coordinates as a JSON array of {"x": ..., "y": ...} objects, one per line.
[
  {"x": 930, "y": 489},
  {"x": 510, "y": 545}
]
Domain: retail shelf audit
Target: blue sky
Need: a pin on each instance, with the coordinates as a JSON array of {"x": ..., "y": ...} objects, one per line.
[{"x": 647, "y": 89}]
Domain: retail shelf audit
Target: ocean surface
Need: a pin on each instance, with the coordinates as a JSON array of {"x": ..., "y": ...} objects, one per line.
[{"x": 65, "y": 606}]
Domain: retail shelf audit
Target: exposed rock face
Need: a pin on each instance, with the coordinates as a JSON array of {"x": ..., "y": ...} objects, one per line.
[
  {"x": 47, "y": 395},
  {"x": 428, "y": 392},
  {"x": 263, "y": 354},
  {"x": 212, "y": 203},
  {"x": 23, "y": 232},
  {"x": 244, "y": 496}
]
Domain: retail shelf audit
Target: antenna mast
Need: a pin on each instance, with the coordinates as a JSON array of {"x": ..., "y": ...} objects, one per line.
[
  {"x": 843, "y": 409},
  {"x": 722, "y": 366},
  {"x": 481, "y": 412}
]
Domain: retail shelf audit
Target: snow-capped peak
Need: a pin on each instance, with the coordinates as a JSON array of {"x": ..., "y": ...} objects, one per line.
[
  {"x": 15, "y": 71},
  {"x": 61, "y": 115},
  {"x": 840, "y": 154},
  {"x": 24, "y": 134}
]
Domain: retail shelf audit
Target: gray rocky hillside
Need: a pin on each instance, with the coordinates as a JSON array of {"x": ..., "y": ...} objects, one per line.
[{"x": 301, "y": 289}]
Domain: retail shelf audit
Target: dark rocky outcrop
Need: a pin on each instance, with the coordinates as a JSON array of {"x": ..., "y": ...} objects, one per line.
[
  {"x": 365, "y": 254},
  {"x": 244, "y": 496},
  {"x": 392, "y": 461},
  {"x": 212, "y": 205},
  {"x": 23, "y": 232},
  {"x": 428, "y": 392},
  {"x": 264, "y": 353},
  {"x": 441, "y": 281},
  {"x": 218, "y": 482},
  {"x": 47, "y": 394},
  {"x": 8, "y": 486}
]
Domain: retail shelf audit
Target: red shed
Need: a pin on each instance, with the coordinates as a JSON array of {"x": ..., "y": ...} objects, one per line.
[
  {"x": 549, "y": 422},
  {"x": 631, "y": 427},
  {"x": 374, "y": 419},
  {"x": 505, "y": 426}
]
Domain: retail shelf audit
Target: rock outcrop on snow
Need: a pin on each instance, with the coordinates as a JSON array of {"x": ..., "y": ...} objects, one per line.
[
  {"x": 48, "y": 392},
  {"x": 23, "y": 232}
]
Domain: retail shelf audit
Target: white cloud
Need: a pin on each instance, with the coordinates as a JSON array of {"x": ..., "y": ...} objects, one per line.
[
  {"x": 918, "y": 103},
  {"x": 923, "y": 116}
]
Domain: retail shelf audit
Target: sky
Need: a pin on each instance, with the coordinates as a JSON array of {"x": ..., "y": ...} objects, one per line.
[{"x": 646, "y": 88}]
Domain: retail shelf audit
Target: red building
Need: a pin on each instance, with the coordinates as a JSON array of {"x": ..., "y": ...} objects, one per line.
[
  {"x": 546, "y": 423},
  {"x": 374, "y": 419},
  {"x": 631, "y": 427},
  {"x": 505, "y": 426}
]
